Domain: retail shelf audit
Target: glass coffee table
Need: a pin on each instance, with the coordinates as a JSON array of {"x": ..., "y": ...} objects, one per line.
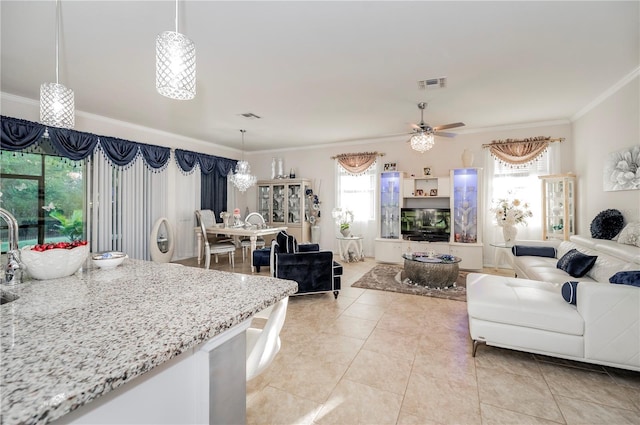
[{"x": 438, "y": 271}]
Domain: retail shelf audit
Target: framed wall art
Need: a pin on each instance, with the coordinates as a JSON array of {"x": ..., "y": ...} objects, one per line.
[{"x": 622, "y": 170}]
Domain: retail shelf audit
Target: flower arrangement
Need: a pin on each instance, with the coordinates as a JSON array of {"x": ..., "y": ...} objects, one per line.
[
  {"x": 313, "y": 207},
  {"x": 511, "y": 212},
  {"x": 343, "y": 218}
]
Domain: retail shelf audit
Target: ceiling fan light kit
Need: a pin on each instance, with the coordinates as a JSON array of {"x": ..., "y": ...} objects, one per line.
[
  {"x": 57, "y": 106},
  {"x": 423, "y": 137},
  {"x": 175, "y": 64}
]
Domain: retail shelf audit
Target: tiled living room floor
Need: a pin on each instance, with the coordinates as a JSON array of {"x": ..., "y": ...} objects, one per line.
[{"x": 374, "y": 357}]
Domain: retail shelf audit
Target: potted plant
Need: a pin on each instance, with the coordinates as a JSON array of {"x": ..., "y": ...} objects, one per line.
[{"x": 343, "y": 218}]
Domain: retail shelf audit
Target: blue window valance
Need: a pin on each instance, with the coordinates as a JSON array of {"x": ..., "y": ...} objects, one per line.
[
  {"x": 18, "y": 135},
  {"x": 187, "y": 160}
]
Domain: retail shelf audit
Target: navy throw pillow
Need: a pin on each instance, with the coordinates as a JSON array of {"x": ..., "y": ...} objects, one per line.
[
  {"x": 576, "y": 263},
  {"x": 287, "y": 243},
  {"x": 537, "y": 251},
  {"x": 607, "y": 224},
  {"x": 631, "y": 277},
  {"x": 570, "y": 291}
]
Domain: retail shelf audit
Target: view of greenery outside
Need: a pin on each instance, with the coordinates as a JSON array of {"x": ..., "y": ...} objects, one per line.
[{"x": 46, "y": 195}]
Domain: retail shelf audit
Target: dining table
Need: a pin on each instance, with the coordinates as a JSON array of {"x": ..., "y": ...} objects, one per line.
[{"x": 251, "y": 232}]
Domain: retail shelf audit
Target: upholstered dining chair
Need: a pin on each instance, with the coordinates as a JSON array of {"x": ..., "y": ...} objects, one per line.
[
  {"x": 215, "y": 248},
  {"x": 254, "y": 219},
  {"x": 263, "y": 344}
]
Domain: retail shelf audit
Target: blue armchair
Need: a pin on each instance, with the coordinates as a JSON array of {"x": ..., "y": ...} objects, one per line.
[{"x": 313, "y": 270}]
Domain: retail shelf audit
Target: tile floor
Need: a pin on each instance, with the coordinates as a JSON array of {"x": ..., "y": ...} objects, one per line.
[{"x": 373, "y": 357}]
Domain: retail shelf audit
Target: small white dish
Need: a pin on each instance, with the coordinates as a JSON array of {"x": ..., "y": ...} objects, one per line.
[{"x": 109, "y": 259}]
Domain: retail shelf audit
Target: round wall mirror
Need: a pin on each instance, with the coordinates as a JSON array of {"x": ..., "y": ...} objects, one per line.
[{"x": 161, "y": 241}]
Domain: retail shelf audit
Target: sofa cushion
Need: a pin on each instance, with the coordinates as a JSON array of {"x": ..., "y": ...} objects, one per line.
[
  {"x": 631, "y": 277},
  {"x": 576, "y": 263},
  {"x": 630, "y": 235},
  {"x": 607, "y": 224},
  {"x": 569, "y": 291},
  {"x": 537, "y": 251},
  {"x": 287, "y": 243}
]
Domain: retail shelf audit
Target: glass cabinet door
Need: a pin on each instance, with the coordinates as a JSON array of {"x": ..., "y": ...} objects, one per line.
[
  {"x": 558, "y": 204},
  {"x": 294, "y": 200},
  {"x": 279, "y": 206},
  {"x": 465, "y": 205},
  {"x": 264, "y": 192},
  {"x": 390, "y": 205}
]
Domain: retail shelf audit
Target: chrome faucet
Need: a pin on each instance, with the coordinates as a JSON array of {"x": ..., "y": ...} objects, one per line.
[{"x": 14, "y": 268}]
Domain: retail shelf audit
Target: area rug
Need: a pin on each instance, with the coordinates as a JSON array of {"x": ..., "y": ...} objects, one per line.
[{"x": 387, "y": 277}]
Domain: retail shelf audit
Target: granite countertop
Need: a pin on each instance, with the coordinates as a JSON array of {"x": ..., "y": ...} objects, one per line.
[{"x": 66, "y": 341}]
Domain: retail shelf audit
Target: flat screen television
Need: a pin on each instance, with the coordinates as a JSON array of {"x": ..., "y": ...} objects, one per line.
[{"x": 425, "y": 224}]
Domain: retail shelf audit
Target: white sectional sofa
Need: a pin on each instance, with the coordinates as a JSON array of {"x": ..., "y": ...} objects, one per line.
[{"x": 531, "y": 314}]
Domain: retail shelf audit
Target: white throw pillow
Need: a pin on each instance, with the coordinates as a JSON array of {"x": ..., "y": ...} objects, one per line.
[{"x": 630, "y": 235}]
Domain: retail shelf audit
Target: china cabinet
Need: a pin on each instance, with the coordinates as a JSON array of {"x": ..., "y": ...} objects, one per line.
[
  {"x": 390, "y": 204},
  {"x": 281, "y": 202},
  {"x": 558, "y": 206}
]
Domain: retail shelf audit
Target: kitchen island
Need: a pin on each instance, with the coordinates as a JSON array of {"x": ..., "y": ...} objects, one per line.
[{"x": 143, "y": 342}]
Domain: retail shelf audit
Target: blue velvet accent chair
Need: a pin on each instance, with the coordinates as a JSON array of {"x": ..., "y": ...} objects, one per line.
[{"x": 313, "y": 270}]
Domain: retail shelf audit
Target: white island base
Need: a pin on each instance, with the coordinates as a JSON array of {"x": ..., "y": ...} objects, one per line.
[{"x": 205, "y": 385}]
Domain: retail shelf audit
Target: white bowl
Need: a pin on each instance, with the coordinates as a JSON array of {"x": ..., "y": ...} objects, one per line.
[
  {"x": 109, "y": 259},
  {"x": 53, "y": 263}
]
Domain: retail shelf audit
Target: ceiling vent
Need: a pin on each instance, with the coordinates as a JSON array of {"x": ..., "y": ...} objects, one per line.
[
  {"x": 432, "y": 83},
  {"x": 250, "y": 115}
]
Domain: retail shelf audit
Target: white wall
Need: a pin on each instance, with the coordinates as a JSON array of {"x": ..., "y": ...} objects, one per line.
[{"x": 612, "y": 125}]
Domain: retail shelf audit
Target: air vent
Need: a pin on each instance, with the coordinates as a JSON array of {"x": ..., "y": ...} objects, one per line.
[
  {"x": 433, "y": 83},
  {"x": 250, "y": 115}
]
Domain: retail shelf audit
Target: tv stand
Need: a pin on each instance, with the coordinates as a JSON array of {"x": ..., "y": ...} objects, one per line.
[{"x": 391, "y": 250}]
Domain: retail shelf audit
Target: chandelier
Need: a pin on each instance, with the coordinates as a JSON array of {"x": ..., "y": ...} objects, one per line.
[
  {"x": 422, "y": 141},
  {"x": 175, "y": 64},
  {"x": 242, "y": 179},
  {"x": 56, "y": 101}
]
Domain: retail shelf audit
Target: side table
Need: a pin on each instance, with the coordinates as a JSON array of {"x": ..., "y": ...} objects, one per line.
[
  {"x": 350, "y": 248},
  {"x": 500, "y": 250}
]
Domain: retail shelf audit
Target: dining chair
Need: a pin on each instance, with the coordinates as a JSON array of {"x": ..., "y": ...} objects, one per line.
[
  {"x": 215, "y": 248},
  {"x": 263, "y": 344},
  {"x": 254, "y": 219}
]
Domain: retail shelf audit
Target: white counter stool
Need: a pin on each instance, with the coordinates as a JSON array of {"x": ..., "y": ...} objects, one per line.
[{"x": 263, "y": 344}]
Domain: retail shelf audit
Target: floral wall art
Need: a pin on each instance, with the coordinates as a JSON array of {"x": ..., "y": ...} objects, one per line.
[{"x": 622, "y": 170}]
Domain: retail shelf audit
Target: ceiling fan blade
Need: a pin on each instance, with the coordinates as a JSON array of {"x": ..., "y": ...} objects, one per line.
[
  {"x": 445, "y": 134},
  {"x": 448, "y": 126},
  {"x": 415, "y": 126}
]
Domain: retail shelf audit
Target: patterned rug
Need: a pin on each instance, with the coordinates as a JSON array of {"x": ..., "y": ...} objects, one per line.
[{"x": 387, "y": 277}]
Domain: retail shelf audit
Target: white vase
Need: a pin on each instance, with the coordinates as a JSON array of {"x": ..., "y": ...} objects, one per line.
[
  {"x": 509, "y": 232},
  {"x": 315, "y": 234},
  {"x": 467, "y": 158},
  {"x": 345, "y": 232}
]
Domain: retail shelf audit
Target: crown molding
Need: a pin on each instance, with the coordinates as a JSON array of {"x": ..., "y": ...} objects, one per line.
[{"x": 607, "y": 93}]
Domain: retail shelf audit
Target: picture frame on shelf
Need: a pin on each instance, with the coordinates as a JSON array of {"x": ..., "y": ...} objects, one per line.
[
  {"x": 433, "y": 192},
  {"x": 419, "y": 192},
  {"x": 426, "y": 171},
  {"x": 390, "y": 166}
]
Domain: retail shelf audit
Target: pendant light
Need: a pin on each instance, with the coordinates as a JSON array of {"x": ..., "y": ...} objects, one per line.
[
  {"x": 175, "y": 64},
  {"x": 242, "y": 178},
  {"x": 56, "y": 101},
  {"x": 422, "y": 141}
]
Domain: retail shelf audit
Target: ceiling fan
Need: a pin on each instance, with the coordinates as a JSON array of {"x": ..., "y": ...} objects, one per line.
[{"x": 423, "y": 134}]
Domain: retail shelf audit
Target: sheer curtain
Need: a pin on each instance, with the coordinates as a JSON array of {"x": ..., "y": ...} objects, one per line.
[
  {"x": 125, "y": 202},
  {"x": 504, "y": 181},
  {"x": 187, "y": 201},
  {"x": 358, "y": 194}
]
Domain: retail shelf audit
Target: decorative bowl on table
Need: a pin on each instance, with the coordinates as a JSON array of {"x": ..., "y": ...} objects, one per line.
[
  {"x": 109, "y": 259},
  {"x": 53, "y": 261}
]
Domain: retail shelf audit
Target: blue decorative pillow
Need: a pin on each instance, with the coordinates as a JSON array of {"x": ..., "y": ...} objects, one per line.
[
  {"x": 287, "y": 243},
  {"x": 607, "y": 224},
  {"x": 576, "y": 263},
  {"x": 570, "y": 291},
  {"x": 632, "y": 277},
  {"x": 537, "y": 251}
]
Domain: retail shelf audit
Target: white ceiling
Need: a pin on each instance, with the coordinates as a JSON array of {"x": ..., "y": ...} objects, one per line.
[{"x": 326, "y": 72}]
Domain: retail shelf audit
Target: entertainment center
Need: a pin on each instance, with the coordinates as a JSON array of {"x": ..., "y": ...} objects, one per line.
[{"x": 431, "y": 213}]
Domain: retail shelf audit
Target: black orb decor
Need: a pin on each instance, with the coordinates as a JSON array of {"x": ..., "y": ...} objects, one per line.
[{"x": 607, "y": 224}]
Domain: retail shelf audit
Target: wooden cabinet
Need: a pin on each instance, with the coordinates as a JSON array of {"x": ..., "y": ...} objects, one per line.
[
  {"x": 282, "y": 202},
  {"x": 558, "y": 206}
]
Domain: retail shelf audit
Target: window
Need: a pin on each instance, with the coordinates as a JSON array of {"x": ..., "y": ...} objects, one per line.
[
  {"x": 357, "y": 193},
  {"x": 36, "y": 188}
]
